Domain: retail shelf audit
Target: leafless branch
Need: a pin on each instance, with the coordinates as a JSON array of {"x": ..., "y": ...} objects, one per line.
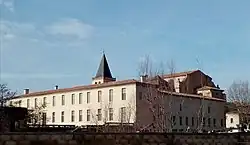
[
  {"x": 239, "y": 94},
  {"x": 5, "y": 94},
  {"x": 153, "y": 96}
]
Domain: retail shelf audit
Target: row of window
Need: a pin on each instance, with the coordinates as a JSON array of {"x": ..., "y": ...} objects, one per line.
[
  {"x": 208, "y": 108},
  {"x": 73, "y": 98},
  {"x": 90, "y": 115},
  {"x": 203, "y": 121}
]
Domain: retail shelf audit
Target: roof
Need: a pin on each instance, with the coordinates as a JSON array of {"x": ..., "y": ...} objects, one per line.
[
  {"x": 158, "y": 80},
  {"x": 233, "y": 107},
  {"x": 209, "y": 88},
  {"x": 78, "y": 88},
  {"x": 194, "y": 96},
  {"x": 178, "y": 74},
  {"x": 103, "y": 70}
]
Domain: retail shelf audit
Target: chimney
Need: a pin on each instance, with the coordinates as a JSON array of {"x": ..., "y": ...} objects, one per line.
[
  {"x": 143, "y": 78},
  {"x": 56, "y": 87},
  {"x": 26, "y": 91}
]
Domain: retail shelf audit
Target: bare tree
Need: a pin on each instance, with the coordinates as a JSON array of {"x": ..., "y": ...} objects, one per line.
[
  {"x": 36, "y": 115},
  {"x": 152, "y": 88},
  {"x": 101, "y": 119},
  {"x": 201, "y": 114},
  {"x": 239, "y": 94},
  {"x": 145, "y": 67},
  {"x": 5, "y": 94}
]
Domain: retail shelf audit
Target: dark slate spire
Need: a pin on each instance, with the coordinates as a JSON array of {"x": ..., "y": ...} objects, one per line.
[{"x": 103, "y": 70}]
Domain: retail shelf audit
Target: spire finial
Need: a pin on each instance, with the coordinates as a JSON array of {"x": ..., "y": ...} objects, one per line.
[{"x": 103, "y": 52}]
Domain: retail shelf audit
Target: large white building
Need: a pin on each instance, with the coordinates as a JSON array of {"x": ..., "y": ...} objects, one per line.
[{"x": 178, "y": 102}]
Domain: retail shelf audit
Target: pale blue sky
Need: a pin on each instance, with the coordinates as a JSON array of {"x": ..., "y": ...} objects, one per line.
[{"x": 48, "y": 42}]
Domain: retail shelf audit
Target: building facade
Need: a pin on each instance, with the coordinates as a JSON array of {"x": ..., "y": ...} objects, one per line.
[{"x": 177, "y": 102}]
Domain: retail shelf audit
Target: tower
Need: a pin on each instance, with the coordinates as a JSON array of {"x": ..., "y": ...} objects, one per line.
[{"x": 103, "y": 74}]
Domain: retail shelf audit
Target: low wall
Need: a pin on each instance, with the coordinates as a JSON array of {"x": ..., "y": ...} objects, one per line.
[{"x": 123, "y": 139}]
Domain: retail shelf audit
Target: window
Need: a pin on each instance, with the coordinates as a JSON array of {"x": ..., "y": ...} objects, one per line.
[
  {"x": 53, "y": 117},
  {"x": 80, "y": 98},
  {"x": 110, "y": 114},
  {"x": 80, "y": 115},
  {"x": 208, "y": 109},
  {"x": 88, "y": 97},
  {"x": 62, "y": 116},
  {"x": 44, "y": 118},
  {"x": 214, "y": 122},
  {"x": 174, "y": 120},
  {"x": 180, "y": 119},
  {"x": 209, "y": 122},
  {"x": 54, "y": 101},
  {"x": 99, "y": 114},
  {"x": 72, "y": 116},
  {"x": 28, "y": 103},
  {"x": 123, "y": 93},
  {"x": 44, "y": 101},
  {"x": 20, "y": 103},
  {"x": 63, "y": 100},
  {"x": 174, "y": 130},
  {"x": 186, "y": 121},
  {"x": 180, "y": 107},
  {"x": 73, "y": 99},
  {"x": 110, "y": 95},
  {"x": 140, "y": 95},
  {"x": 232, "y": 120},
  {"x": 221, "y": 123},
  {"x": 123, "y": 114},
  {"x": 204, "y": 121},
  {"x": 35, "y": 102},
  {"x": 11, "y": 103},
  {"x": 88, "y": 115},
  {"x": 192, "y": 121},
  {"x": 99, "y": 96}
]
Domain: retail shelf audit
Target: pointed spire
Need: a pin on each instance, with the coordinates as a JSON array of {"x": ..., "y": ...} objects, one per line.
[{"x": 103, "y": 70}]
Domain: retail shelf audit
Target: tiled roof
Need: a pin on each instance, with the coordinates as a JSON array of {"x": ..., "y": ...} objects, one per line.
[
  {"x": 193, "y": 96},
  {"x": 178, "y": 74},
  {"x": 78, "y": 88}
]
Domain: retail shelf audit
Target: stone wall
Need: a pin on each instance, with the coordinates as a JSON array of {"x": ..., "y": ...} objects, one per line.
[{"x": 123, "y": 139}]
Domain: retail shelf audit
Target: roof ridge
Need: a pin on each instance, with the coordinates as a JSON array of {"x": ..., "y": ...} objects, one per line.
[
  {"x": 82, "y": 87},
  {"x": 180, "y": 73}
]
